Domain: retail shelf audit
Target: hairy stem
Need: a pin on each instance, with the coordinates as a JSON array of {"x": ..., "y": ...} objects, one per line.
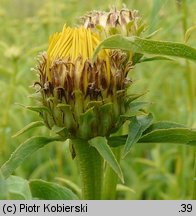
[{"x": 90, "y": 165}]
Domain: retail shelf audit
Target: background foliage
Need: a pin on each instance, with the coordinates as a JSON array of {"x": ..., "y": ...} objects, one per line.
[{"x": 153, "y": 171}]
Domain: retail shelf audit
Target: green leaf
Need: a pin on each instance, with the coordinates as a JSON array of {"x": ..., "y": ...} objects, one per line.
[
  {"x": 136, "y": 58},
  {"x": 61, "y": 131},
  {"x": 161, "y": 132},
  {"x": 106, "y": 120},
  {"x": 38, "y": 109},
  {"x": 155, "y": 58},
  {"x": 139, "y": 45},
  {"x": 86, "y": 121},
  {"x": 132, "y": 97},
  {"x": 171, "y": 135},
  {"x": 136, "y": 106},
  {"x": 23, "y": 152},
  {"x": 163, "y": 125},
  {"x": 71, "y": 185},
  {"x": 137, "y": 126},
  {"x": 100, "y": 143},
  {"x": 18, "y": 188},
  {"x": 116, "y": 141},
  {"x": 50, "y": 191},
  {"x": 28, "y": 127}
]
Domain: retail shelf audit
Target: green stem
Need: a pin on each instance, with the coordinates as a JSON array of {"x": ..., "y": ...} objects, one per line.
[
  {"x": 194, "y": 180},
  {"x": 90, "y": 165},
  {"x": 191, "y": 85},
  {"x": 111, "y": 179}
]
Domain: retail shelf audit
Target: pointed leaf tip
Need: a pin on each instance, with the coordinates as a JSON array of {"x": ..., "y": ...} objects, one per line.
[
  {"x": 28, "y": 127},
  {"x": 137, "y": 126},
  {"x": 100, "y": 143}
]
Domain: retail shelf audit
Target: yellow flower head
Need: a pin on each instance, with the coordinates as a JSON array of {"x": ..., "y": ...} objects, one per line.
[
  {"x": 73, "y": 43},
  {"x": 78, "y": 92}
]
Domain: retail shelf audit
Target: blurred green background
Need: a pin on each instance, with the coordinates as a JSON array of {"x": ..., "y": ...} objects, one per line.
[{"x": 152, "y": 171}]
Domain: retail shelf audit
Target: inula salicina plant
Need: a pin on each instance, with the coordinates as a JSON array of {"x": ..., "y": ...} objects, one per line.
[{"x": 83, "y": 94}]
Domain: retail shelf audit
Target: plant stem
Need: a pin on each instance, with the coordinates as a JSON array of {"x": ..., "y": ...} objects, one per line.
[
  {"x": 194, "y": 181},
  {"x": 183, "y": 9},
  {"x": 111, "y": 179},
  {"x": 90, "y": 165}
]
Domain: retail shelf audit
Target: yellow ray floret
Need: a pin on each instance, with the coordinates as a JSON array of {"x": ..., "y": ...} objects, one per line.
[{"x": 73, "y": 43}]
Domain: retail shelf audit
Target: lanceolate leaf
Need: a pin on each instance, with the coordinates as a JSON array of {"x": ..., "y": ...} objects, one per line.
[
  {"x": 161, "y": 132},
  {"x": 50, "y": 191},
  {"x": 28, "y": 127},
  {"x": 172, "y": 135},
  {"x": 140, "y": 45},
  {"x": 136, "y": 127},
  {"x": 163, "y": 125},
  {"x": 23, "y": 152},
  {"x": 100, "y": 143}
]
